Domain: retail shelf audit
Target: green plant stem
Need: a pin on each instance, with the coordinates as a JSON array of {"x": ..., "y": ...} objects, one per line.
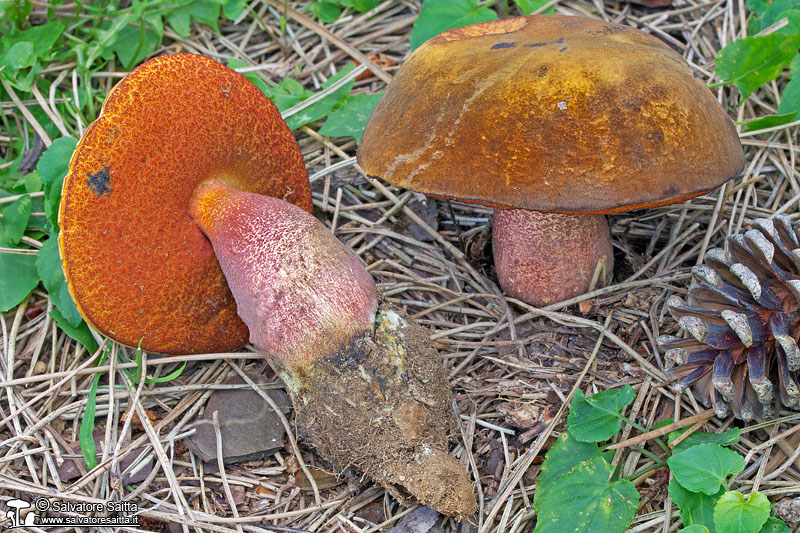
[
  {"x": 632, "y": 423},
  {"x": 720, "y": 84},
  {"x": 71, "y": 37},
  {"x": 661, "y": 444},
  {"x": 649, "y": 454},
  {"x": 87, "y": 83},
  {"x": 643, "y": 471}
]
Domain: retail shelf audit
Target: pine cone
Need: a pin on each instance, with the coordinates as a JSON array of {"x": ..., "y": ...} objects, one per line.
[{"x": 743, "y": 316}]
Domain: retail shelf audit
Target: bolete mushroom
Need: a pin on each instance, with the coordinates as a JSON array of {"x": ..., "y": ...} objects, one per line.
[
  {"x": 554, "y": 121},
  {"x": 166, "y": 231}
]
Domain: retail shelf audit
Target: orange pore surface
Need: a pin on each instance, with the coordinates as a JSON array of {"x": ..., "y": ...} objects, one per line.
[{"x": 136, "y": 264}]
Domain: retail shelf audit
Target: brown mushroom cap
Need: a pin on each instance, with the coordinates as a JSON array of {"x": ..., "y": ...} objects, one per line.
[
  {"x": 136, "y": 264},
  {"x": 551, "y": 113}
]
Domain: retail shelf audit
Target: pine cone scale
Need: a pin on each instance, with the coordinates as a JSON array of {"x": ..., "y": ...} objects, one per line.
[{"x": 743, "y": 317}]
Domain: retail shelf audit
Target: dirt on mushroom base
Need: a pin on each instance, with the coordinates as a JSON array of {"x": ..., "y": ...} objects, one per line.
[{"x": 388, "y": 394}]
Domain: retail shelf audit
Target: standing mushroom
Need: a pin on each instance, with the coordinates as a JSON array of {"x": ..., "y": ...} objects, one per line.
[
  {"x": 166, "y": 234},
  {"x": 554, "y": 121}
]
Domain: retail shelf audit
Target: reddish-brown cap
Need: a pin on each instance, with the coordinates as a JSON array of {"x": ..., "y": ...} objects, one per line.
[
  {"x": 136, "y": 264},
  {"x": 551, "y": 113}
]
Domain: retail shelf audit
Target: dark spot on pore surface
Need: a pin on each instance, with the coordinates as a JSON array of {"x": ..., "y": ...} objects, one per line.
[
  {"x": 503, "y": 45},
  {"x": 536, "y": 45},
  {"x": 563, "y": 49},
  {"x": 100, "y": 181}
]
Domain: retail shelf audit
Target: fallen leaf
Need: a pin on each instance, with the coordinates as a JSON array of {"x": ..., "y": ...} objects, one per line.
[
  {"x": 372, "y": 512},
  {"x": 135, "y": 420},
  {"x": 426, "y": 208},
  {"x": 323, "y": 479},
  {"x": 420, "y": 520},
  {"x": 249, "y": 427},
  {"x": 381, "y": 60},
  {"x": 264, "y": 490},
  {"x": 70, "y": 470},
  {"x": 522, "y": 416},
  {"x": 522, "y": 330}
]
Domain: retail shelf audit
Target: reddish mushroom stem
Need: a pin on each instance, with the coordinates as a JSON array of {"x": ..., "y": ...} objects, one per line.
[
  {"x": 543, "y": 258},
  {"x": 367, "y": 387},
  {"x": 298, "y": 289}
]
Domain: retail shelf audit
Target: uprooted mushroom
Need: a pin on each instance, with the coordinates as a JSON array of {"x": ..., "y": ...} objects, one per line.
[{"x": 187, "y": 200}]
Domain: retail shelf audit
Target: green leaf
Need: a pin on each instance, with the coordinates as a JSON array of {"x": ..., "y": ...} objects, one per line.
[
  {"x": 704, "y": 468},
  {"x": 17, "y": 279},
  {"x": 326, "y": 105},
  {"x": 23, "y": 52},
  {"x": 103, "y": 36},
  {"x": 52, "y": 167},
  {"x": 202, "y": 12},
  {"x": 137, "y": 376},
  {"x": 351, "y": 118},
  {"x": 181, "y": 22},
  {"x": 362, "y": 6},
  {"x": 16, "y": 10},
  {"x": 695, "y": 507},
  {"x": 750, "y": 62},
  {"x": 80, "y": 334},
  {"x": 20, "y": 56},
  {"x": 768, "y": 14},
  {"x": 254, "y": 78},
  {"x": 757, "y": 7},
  {"x": 42, "y": 38},
  {"x": 596, "y": 418},
  {"x": 790, "y": 97},
  {"x": 694, "y": 528},
  {"x": 734, "y": 514},
  {"x": 169, "y": 377},
  {"x": 440, "y": 15},
  {"x": 574, "y": 492},
  {"x": 134, "y": 43},
  {"x": 529, "y": 6},
  {"x": 48, "y": 266},
  {"x": 287, "y": 93},
  {"x": 728, "y": 438},
  {"x": 233, "y": 8},
  {"x": 560, "y": 459},
  {"x": 774, "y": 525},
  {"x": 32, "y": 181},
  {"x": 769, "y": 121},
  {"x": 85, "y": 434},
  {"x": 14, "y": 221},
  {"x": 665, "y": 422},
  {"x": 794, "y": 67},
  {"x": 325, "y": 11}
]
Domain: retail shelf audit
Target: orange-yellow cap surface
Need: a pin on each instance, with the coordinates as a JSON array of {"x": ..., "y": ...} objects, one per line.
[
  {"x": 551, "y": 113},
  {"x": 136, "y": 264}
]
